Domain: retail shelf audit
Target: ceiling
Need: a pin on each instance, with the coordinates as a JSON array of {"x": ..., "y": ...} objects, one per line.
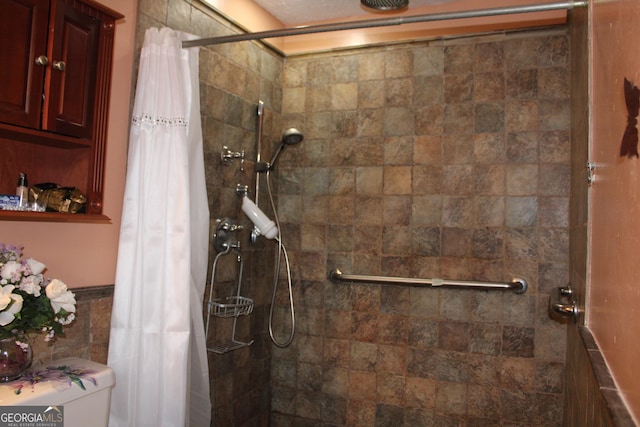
[{"x": 295, "y": 12}]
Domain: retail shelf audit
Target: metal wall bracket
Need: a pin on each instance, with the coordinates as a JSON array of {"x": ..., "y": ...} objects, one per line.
[{"x": 562, "y": 302}]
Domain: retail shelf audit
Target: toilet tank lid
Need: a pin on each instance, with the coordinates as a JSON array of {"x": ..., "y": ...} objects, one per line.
[{"x": 57, "y": 382}]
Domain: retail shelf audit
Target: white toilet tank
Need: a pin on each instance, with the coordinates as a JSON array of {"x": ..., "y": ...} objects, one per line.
[{"x": 81, "y": 387}]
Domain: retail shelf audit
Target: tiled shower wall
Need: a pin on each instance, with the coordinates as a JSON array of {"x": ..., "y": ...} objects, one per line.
[{"x": 444, "y": 159}]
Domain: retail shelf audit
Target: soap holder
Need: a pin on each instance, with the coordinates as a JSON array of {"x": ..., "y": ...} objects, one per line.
[{"x": 231, "y": 307}]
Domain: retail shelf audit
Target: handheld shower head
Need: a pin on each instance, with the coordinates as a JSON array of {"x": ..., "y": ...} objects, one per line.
[{"x": 291, "y": 136}]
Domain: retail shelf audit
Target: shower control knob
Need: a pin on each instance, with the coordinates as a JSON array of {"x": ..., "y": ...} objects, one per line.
[
  {"x": 235, "y": 227},
  {"x": 228, "y": 226},
  {"x": 223, "y": 240},
  {"x": 227, "y": 156}
]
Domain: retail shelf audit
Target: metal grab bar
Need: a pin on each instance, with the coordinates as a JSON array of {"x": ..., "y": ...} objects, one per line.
[
  {"x": 568, "y": 309},
  {"x": 517, "y": 285}
]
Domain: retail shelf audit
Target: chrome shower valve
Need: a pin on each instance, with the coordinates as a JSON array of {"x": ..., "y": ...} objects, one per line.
[{"x": 227, "y": 156}]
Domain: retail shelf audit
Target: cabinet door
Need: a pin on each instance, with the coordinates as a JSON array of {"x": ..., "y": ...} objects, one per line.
[
  {"x": 23, "y": 38},
  {"x": 71, "y": 91}
]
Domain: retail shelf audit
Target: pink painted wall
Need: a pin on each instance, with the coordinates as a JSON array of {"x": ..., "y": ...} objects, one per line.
[
  {"x": 613, "y": 305},
  {"x": 85, "y": 254}
]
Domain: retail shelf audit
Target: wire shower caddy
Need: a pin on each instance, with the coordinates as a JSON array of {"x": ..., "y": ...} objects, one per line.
[{"x": 231, "y": 306}]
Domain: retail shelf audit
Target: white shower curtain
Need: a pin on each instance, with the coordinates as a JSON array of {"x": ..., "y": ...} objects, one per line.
[{"x": 157, "y": 346}]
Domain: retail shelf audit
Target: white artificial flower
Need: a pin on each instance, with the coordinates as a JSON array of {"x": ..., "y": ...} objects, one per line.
[
  {"x": 66, "y": 321},
  {"x": 31, "y": 285},
  {"x": 36, "y": 266},
  {"x": 5, "y": 296},
  {"x": 8, "y": 314},
  {"x": 50, "y": 333},
  {"x": 60, "y": 296},
  {"x": 10, "y": 270}
]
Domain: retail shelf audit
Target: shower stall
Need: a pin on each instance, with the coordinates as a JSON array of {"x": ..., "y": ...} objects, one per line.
[{"x": 432, "y": 159}]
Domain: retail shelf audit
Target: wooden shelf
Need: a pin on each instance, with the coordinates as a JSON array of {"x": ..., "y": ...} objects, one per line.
[
  {"x": 41, "y": 137},
  {"x": 53, "y": 217}
]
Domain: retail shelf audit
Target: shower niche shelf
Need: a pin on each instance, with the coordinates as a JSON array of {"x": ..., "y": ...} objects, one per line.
[{"x": 231, "y": 307}]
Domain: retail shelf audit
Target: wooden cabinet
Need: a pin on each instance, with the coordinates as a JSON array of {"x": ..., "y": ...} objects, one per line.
[
  {"x": 23, "y": 34},
  {"x": 54, "y": 95}
]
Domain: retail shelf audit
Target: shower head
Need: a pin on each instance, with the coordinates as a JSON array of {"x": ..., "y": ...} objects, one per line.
[
  {"x": 290, "y": 136},
  {"x": 385, "y": 4}
]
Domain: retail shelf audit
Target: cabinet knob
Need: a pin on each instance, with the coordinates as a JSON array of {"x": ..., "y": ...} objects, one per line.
[
  {"x": 59, "y": 65},
  {"x": 42, "y": 60}
]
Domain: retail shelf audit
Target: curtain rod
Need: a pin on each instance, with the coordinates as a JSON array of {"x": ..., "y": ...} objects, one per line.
[{"x": 382, "y": 22}]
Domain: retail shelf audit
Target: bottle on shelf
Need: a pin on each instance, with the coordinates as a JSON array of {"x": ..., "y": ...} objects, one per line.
[{"x": 22, "y": 189}]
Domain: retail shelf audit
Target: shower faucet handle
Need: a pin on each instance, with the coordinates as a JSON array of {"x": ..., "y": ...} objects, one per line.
[
  {"x": 231, "y": 227},
  {"x": 227, "y": 156},
  {"x": 223, "y": 240}
]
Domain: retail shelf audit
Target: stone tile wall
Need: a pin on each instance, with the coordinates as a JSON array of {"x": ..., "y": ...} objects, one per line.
[
  {"x": 443, "y": 159},
  {"x": 88, "y": 335}
]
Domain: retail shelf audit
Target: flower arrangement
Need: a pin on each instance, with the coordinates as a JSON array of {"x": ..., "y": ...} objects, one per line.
[{"x": 28, "y": 301}]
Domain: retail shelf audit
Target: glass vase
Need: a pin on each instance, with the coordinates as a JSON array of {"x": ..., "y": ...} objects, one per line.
[{"x": 15, "y": 358}]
